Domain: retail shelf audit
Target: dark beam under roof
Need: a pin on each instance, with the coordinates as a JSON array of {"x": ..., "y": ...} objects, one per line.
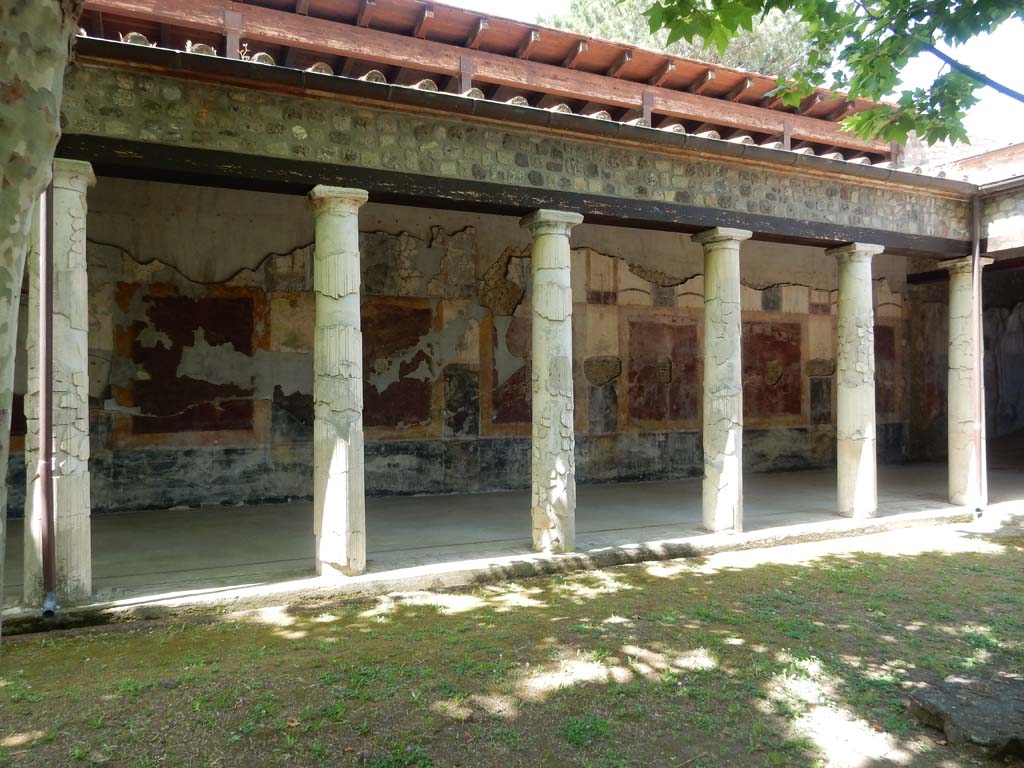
[{"x": 183, "y": 165}]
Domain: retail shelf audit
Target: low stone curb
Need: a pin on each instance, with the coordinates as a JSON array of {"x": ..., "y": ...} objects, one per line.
[{"x": 22, "y": 621}]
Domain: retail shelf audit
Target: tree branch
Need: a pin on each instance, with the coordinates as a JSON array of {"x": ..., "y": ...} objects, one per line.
[{"x": 975, "y": 74}]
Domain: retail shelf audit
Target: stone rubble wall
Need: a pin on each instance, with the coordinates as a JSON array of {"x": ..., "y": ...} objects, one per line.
[
  {"x": 138, "y": 106},
  {"x": 201, "y": 334},
  {"x": 1002, "y": 220}
]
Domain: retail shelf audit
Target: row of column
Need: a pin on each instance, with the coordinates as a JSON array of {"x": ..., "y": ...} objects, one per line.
[
  {"x": 338, "y": 457},
  {"x": 339, "y": 497}
]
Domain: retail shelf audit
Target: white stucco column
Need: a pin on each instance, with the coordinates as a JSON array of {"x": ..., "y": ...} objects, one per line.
[
  {"x": 855, "y": 382},
  {"x": 339, "y": 504},
  {"x": 722, "y": 497},
  {"x": 554, "y": 463},
  {"x": 964, "y": 419},
  {"x": 71, "y": 498}
]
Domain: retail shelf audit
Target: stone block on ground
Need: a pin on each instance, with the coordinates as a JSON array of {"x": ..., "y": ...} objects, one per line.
[{"x": 987, "y": 712}]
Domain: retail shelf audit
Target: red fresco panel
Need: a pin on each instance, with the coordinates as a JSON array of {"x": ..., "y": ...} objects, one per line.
[
  {"x": 771, "y": 369},
  {"x": 663, "y": 370}
]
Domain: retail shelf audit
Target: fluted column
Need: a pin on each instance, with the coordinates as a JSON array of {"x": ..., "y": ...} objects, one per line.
[
  {"x": 964, "y": 419},
  {"x": 554, "y": 463},
  {"x": 855, "y": 382},
  {"x": 71, "y": 494},
  {"x": 339, "y": 505},
  {"x": 722, "y": 497}
]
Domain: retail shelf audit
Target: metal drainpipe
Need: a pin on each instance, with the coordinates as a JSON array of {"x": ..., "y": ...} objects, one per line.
[
  {"x": 50, "y": 605},
  {"x": 979, "y": 359}
]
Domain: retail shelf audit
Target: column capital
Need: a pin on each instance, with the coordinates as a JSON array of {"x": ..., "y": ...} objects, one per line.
[
  {"x": 75, "y": 175},
  {"x": 963, "y": 264},
  {"x": 855, "y": 251},
  {"x": 545, "y": 221},
  {"x": 720, "y": 235},
  {"x": 336, "y": 200}
]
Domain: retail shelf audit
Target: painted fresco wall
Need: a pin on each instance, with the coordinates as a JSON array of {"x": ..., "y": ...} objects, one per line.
[
  {"x": 202, "y": 326},
  {"x": 928, "y": 361}
]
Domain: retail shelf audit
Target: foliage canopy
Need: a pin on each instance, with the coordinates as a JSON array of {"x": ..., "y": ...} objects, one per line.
[
  {"x": 860, "y": 47},
  {"x": 775, "y": 44}
]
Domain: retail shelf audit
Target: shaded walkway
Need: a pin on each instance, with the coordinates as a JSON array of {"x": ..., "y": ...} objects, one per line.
[{"x": 174, "y": 551}]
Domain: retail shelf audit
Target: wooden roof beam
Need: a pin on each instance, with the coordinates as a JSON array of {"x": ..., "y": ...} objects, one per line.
[
  {"x": 465, "y": 76},
  {"x": 809, "y": 103},
  {"x": 473, "y": 41},
  {"x": 663, "y": 73},
  {"x": 324, "y": 37},
  {"x": 574, "y": 57},
  {"x": 426, "y": 20},
  {"x": 233, "y": 24},
  {"x": 620, "y": 64},
  {"x": 366, "y": 9},
  {"x": 699, "y": 85},
  {"x": 736, "y": 94},
  {"x": 526, "y": 47},
  {"x": 844, "y": 109},
  {"x": 642, "y": 116}
]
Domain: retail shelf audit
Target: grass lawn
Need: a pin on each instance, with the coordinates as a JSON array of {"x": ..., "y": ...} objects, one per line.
[{"x": 793, "y": 656}]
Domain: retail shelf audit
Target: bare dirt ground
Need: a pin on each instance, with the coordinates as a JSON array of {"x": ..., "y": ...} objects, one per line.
[{"x": 793, "y": 656}]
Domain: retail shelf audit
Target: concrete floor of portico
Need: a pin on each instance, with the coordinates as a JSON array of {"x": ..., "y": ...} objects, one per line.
[{"x": 218, "y": 549}]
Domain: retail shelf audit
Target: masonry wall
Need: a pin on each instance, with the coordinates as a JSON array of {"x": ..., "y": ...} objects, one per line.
[{"x": 201, "y": 329}]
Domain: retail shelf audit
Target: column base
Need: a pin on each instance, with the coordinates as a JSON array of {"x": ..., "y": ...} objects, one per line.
[
  {"x": 967, "y": 500},
  {"x": 855, "y": 515},
  {"x": 330, "y": 570}
]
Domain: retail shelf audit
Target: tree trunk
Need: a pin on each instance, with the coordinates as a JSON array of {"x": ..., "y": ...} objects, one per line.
[{"x": 35, "y": 43}]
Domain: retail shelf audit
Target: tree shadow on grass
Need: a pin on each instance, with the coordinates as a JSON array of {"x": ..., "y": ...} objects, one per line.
[{"x": 737, "y": 660}]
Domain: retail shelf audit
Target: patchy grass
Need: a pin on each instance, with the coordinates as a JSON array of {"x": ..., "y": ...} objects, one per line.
[{"x": 789, "y": 657}]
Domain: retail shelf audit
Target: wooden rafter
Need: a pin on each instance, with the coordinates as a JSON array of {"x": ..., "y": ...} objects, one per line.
[
  {"x": 424, "y": 23},
  {"x": 366, "y": 9},
  {"x": 809, "y": 103},
  {"x": 302, "y": 7},
  {"x": 844, "y": 109},
  {"x": 663, "y": 73},
  {"x": 574, "y": 57},
  {"x": 699, "y": 85},
  {"x": 526, "y": 47},
  {"x": 736, "y": 94},
  {"x": 620, "y": 64},
  {"x": 473, "y": 41}
]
